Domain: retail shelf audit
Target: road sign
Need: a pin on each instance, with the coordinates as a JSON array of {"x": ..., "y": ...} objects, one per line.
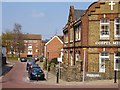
[
  {"x": 84, "y": 48},
  {"x": 59, "y": 59}
]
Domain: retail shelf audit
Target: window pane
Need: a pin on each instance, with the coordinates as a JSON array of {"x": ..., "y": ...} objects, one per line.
[
  {"x": 104, "y": 54},
  {"x": 104, "y": 20},
  {"x": 118, "y": 20},
  {"x": 118, "y": 64},
  {"x": 117, "y": 54}
]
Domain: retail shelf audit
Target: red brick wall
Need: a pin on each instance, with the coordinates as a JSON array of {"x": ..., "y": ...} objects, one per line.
[
  {"x": 54, "y": 48},
  {"x": 39, "y": 47}
]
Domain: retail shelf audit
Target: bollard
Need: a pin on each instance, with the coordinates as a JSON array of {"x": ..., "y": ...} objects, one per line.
[
  {"x": 57, "y": 77},
  {"x": 115, "y": 76}
]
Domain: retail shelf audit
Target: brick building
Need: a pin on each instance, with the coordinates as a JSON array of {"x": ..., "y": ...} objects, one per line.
[
  {"x": 98, "y": 30},
  {"x": 53, "y": 47},
  {"x": 33, "y": 45}
]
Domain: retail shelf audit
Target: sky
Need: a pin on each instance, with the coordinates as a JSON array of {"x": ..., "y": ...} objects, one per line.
[{"x": 46, "y": 18}]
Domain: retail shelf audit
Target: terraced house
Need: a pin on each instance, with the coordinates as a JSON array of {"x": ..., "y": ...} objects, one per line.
[{"x": 97, "y": 30}]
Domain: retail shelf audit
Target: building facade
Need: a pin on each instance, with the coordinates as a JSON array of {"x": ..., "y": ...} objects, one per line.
[
  {"x": 33, "y": 45},
  {"x": 53, "y": 47},
  {"x": 97, "y": 33}
]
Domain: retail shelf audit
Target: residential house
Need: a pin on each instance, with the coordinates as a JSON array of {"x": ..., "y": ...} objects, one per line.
[{"x": 53, "y": 47}]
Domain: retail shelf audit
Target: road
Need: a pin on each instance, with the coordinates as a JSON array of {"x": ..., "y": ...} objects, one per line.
[{"x": 17, "y": 78}]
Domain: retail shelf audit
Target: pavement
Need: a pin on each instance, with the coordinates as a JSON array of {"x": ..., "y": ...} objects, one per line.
[
  {"x": 52, "y": 79},
  {"x": 6, "y": 68}
]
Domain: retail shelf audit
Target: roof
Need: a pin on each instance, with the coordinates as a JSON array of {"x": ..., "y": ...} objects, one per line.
[
  {"x": 61, "y": 38},
  {"x": 32, "y": 36},
  {"x": 58, "y": 37},
  {"x": 78, "y": 13}
]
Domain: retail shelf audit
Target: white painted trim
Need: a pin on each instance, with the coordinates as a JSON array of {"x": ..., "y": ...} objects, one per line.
[
  {"x": 104, "y": 36},
  {"x": 116, "y": 36},
  {"x": 53, "y": 38},
  {"x": 115, "y": 63},
  {"x": 45, "y": 50}
]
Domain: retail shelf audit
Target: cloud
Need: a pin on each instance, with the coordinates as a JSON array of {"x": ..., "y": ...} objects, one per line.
[{"x": 37, "y": 14}]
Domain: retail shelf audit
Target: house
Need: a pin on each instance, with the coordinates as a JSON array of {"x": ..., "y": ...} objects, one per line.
[
  {"x": 43, "y": 45},
  {"x": 95, "y": 37},
  {"x": 33, "y": 45},
  {"x": 53, "y": 47},
  {"x": 72, "y": 41}
]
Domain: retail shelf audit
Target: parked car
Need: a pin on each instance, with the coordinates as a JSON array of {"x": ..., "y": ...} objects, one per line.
[
  {"x": 29, "y": 65},
  {"x": 23, "y": 59},
  {"x": 36, "y": 73}
]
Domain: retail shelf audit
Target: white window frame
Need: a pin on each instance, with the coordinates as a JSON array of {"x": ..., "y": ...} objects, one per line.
[
  {"x": 77, "y": 33},
  {"x": 77, "y": 57},
  {"x": 66, "y": 37},
  {"x": 115, "y": 58},
  {"x": 108, "y": 24},
  {"x": 71, "y": 35},
  {"x": 115, "y": 23},
  {"x": 100, "y": 61}
]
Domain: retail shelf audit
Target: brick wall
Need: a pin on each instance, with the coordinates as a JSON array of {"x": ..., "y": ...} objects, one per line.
[{"x": 54, "y": 47}]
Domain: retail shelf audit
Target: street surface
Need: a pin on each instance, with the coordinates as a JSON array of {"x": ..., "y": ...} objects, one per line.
[{"x": 17, "y": 78}]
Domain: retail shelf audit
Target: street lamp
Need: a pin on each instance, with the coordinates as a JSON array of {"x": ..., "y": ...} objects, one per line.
[
  {"x": 47, "y": 66},
  {"x": 60, "y": 61}
]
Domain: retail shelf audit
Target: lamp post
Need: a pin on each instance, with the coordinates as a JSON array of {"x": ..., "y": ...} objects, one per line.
[
  {"x": 60, "y": 61},
  {"x": 84, "y": 64},
  {"x": 47, "y": 66}
]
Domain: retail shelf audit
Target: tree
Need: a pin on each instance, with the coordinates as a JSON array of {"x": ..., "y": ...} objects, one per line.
[
  {"x": 14, "y": 39},
  {"x": 18, "y": 39}
]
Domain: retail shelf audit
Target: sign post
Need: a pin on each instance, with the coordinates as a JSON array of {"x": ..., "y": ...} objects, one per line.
[
  {"x": 58, "y": 73},
  {"x": 84, "y": 64}
]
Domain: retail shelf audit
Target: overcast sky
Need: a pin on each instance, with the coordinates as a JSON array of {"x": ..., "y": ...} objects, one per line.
[{"x": 46, "y": 18}]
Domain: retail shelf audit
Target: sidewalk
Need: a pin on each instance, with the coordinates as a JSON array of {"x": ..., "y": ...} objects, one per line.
[
  {"x": 6, "y": 68},
  {"x": 52, "y": 80}
]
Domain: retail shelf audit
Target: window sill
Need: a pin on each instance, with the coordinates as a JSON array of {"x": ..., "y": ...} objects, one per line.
[
  {"x": 66, "y": 42},
  {"x": 77, "y": 39},
  {"x": 104, "y": 38},
  {"x": 71, "y": 40}
]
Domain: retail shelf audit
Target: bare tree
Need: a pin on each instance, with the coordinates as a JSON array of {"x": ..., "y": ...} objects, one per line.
[
  {"x": 14, "y": 40},
  {"x": 18, "y": 39}
]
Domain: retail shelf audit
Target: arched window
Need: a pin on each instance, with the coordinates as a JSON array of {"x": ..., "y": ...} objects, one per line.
[
  {"x": 104, "y": 28},
  {"x": 117, "y": 27}
]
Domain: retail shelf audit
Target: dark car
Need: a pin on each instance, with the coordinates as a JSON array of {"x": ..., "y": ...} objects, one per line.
[
  {"x": 23, "y": 59},
  {"x": 29, "y": 65},
  {"x": 36, "y": 73}
]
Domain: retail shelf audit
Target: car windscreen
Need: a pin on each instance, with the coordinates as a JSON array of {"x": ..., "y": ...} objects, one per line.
[{"x": 37, "y": 70}]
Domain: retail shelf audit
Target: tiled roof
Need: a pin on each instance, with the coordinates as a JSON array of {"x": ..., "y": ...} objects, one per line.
[
  {"x": 78, "y": 13},
  {"x": 33, "y": 36}
]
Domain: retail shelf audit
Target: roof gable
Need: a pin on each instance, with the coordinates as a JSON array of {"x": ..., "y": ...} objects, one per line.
[
  {"x": 74, "y": 14},
  {"x": 53, "y": 39}
]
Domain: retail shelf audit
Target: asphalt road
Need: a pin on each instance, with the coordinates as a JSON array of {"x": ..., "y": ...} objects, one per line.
[{"x": 17, "y": 78}]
